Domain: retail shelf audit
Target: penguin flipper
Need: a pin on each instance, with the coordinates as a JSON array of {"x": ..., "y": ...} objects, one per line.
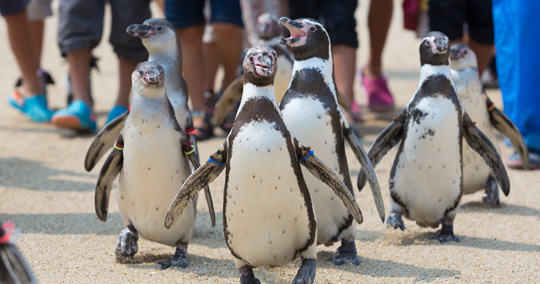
[
  {"x": 387, "y": 139},
  {"x": 367, "y": 167},
  {"x": 502, "y": 123},
  {"x": 13, "y": 265},
  {"x": 107, "y": 175},
  {"x": 103, "y": 141},
  {"x": 481, "y": 144},
  {"x": 321, "y": 171},
  {"x": 204, "y": 175},
  {"x": 231, "y": 95},
  {"x": 195, "y": 162}
]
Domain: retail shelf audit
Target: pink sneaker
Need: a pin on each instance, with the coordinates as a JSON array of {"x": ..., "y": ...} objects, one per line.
[{"x": 379, "y": 97}]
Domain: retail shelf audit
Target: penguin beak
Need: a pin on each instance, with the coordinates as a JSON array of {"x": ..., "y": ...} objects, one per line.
[
  {"x": 140, "y": 31},
  {"x": 441, "y": 45},
  {"x": 264, "y": 65},
  {"x": 152, "y": 76},
  {"x": 298, "y": 34}
]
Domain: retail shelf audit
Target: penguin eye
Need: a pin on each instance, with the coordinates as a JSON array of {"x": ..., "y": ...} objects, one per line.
[
  {"x": 427, "y": 43},
  {"x": 465, "y": 52},
  {"x": 159, "y": 28},
  {"x": 312, "y": 29},
  {"x": 141, "y": 72},
  {"x": 251, "y": 59}
]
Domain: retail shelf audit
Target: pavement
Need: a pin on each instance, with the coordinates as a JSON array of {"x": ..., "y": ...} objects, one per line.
[{"x": 46, "y": 192}]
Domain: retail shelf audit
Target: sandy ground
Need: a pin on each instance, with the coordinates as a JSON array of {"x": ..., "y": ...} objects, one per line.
[{"x": 46, "y": 192}]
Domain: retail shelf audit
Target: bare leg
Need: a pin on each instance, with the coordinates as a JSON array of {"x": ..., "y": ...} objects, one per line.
[
  {"x": 37, "y": 29},
  {"x": 380, "y": 15},
  {"x": 125, "y": 68},
  {"x": 22, "y": 47},
  {"x": 229, "y": 40},
  {"x": 344, "y": 62},
  {"x": 191, "y": 44},
  {"x": 79, "y": 70}
]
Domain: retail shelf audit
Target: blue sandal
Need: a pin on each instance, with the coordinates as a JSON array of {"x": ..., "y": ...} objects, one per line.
[{"x": 34, "y": 107}]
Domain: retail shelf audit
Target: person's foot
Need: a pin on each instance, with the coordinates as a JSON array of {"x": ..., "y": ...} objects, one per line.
[
  {"x": 201, "y": 121},
  {"x": 34, "y": 107},
  {"x": 77, "y": 116},
  {"x": 115, "y": 112},
  {"x": 514, "y": 161},
  {"x": 379, "y": 97}
]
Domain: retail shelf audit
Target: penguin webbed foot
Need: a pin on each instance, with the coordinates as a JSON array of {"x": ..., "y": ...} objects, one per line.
[
  {"x": 395, "y": 221},
  {"x": 306, "y": 273},
  {"x": 491, "y": 196},
  {"x": 446, "y": 234},
  {"x": 247, "y": 276},
  {"x": 346, "y": 253},
  {"x": 179, "y": 259},
  {"x": 126, "y": 246}
]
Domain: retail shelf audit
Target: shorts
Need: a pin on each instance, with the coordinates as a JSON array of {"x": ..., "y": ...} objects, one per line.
[
  {"x": 188, "y": 13},
  {"x": 80, "y": 26},
  {"x": 448, "y": 17},
  {"x": 337, "y": 17},
  {"x": 10, "y": 7},
  {"x": 39, "y": 9}
]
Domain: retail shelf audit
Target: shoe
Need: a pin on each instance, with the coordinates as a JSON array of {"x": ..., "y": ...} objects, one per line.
[
  {"x": 379, "y": 97},
  {"x": 77, "y": 116},
  {"x": 115, "y": 112},
  {"x": 203, "y": 133},
  {"x": 514, "y": 161},
  {"x": 35, "y": 107}
]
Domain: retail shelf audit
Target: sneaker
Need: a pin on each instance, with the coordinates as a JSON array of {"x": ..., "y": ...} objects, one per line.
[
  {"x": 514, "y": 161},
  {"x": 379, "y": 97},
  {"x": 35, "y": 107},
  {"x": 115, "y": 112},
  {"x": 77, "y": 116}
]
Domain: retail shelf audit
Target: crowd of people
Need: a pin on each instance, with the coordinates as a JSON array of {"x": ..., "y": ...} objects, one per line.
[{"x": 211, "y": 34}]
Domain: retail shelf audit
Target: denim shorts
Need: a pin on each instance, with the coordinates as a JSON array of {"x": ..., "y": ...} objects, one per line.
[
  {"x": 448, "y": 17},
  {"x": 337, "y": 17},
  {"x": 188, "y": 13},
  {"x": 9, "y": 7}
]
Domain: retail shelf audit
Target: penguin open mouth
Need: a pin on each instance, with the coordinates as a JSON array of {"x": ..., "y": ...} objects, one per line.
[
  {"x": 263, "y": 70},
  {"x": 298, "y": 35}
]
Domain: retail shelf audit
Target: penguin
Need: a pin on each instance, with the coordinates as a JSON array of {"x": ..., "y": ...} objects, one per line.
[
  {"x": 160, "y": 40},
  {"x": 151, "y": 160},
  {"x": 13, "y": 267},
  {"x": 426, "y": 179},
  {"x": 268, "y": 29},
  {"x": 262, "y": 162},
  {"x": 476, "y": 174},
  {"x": 311, "y": 112}
]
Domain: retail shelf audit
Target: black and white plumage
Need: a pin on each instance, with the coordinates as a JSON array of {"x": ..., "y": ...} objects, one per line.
[
  {"x": 426, "y": 180},
  {"x": 268, "y": 216},
  {"x": 152, "y": 160},
  {"x": 160, "y": 40},
  {"x": 13, "y": 266},
  {"x": 476, "y": 174},
  {"x": 311, "y": 112}
]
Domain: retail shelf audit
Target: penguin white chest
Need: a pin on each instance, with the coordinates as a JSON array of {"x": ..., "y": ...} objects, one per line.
[
  {"x": 475, "y": 170},
  {"x": 311, "y": 124},
  {"x": 427, "y": 174},
  {"x": 266, "y": 215},
  {"x": 153, "y": 171}
]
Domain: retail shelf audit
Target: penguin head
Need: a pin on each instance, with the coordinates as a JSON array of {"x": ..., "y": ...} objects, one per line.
[
  {"x": 260, "y": 65},
  {"x": 267, "y": 26},
  {"x": 462, "y": 56},
  {"x": 148, "y": 79},
  {"x": 156, "y": 34},
  {"x": 308, "y": 38},
  {"x": 434, "y": 49}
]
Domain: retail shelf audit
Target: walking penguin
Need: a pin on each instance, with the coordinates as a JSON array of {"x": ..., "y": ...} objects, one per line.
[
  {"x": 151, "y": 158},
  {"x": 268, "y": 215},
  {"x": 426, "y": 180},
  {"x": 311, "y": 112}
]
